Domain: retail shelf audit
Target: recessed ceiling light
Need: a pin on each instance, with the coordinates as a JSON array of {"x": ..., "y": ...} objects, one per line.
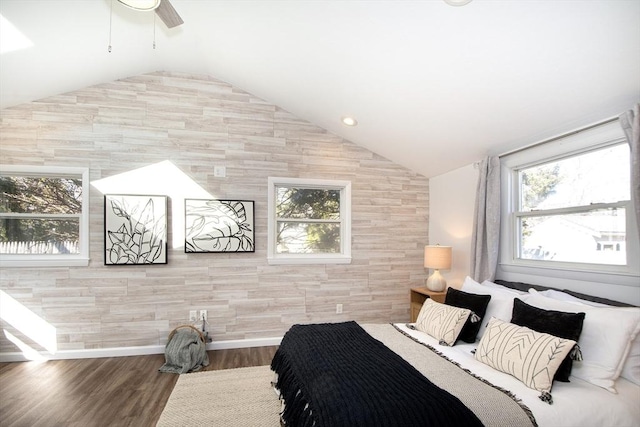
[
  {"x": 457, "y": 2},
  {"x": 349, "y": 121},
  {"x": 141, "y": 4}
]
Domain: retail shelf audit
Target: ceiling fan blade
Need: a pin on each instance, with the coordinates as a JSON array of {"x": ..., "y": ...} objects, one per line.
[{"x": 168, "y": 14}]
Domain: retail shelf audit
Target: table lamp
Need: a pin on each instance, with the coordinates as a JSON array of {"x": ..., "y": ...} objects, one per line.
[{"x": 437, "y": 257}]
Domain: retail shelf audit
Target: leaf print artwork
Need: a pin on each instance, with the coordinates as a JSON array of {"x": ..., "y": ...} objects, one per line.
[
  {"x": 219, "y": 226},
  {"x": 135, "y": 230}
]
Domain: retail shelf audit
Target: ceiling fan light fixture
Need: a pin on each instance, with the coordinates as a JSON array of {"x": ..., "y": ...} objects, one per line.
[
  {"x": 457, "y": 2},
  {"x": 349, "y": 121},
  {"x": 141, "y": 4}
]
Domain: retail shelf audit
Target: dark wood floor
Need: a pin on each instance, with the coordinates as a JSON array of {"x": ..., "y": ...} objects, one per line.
[{"x": 120, "y": 391}]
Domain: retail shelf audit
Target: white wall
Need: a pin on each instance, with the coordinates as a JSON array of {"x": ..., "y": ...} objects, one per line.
[{"x": 451, "y": 202}]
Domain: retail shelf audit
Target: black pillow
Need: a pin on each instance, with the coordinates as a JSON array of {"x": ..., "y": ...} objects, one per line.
[
  {"x": 557, "y": 323},
  {"x": 474, "y": 302}
]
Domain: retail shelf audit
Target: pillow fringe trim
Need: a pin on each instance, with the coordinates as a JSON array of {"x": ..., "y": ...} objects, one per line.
[{"x": 524, "y": 407}]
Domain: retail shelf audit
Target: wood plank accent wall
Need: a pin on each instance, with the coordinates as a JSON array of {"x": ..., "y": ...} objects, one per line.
[{"x": 197, "y": 122}]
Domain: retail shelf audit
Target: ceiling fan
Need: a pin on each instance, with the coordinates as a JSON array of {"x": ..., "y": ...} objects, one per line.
[{"x": 163, "y": 9}]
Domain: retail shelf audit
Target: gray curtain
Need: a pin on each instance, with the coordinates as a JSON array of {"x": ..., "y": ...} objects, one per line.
[
  {"x": 630, "y": 122},
  {"x": 485, "y": 240}
]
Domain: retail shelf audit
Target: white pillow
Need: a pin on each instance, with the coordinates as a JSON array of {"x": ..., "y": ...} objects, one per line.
[
  {"x": 530, "y": 356},
  {"x": 606, "y": 337},
  {"x": 563, "y": 296},
  {"x": 496, "y": 286},
  {"x": 442, "y": 322},
  {"x": 631, "y": 366},
  {"x": 501, "y": 303}
]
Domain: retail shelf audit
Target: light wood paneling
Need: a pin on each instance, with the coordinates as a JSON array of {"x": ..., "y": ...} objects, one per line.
[{"x": 197, "y": 122}]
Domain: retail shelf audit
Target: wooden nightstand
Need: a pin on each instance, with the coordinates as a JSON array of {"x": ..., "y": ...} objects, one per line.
[{"x": 419, "y": 296}]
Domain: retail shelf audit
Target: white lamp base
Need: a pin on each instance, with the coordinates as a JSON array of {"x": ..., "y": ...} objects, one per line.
[{"x": 436, "y": 282}]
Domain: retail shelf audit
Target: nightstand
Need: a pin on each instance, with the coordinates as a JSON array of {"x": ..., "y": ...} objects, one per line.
[{"x": 419, "y": 296}]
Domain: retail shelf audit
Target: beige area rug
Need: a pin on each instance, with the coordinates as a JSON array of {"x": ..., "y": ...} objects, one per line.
[{"x": 240, "y": 397}]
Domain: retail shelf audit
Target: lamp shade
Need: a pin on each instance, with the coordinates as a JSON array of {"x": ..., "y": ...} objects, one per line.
[{"x": 437, "y": 257}]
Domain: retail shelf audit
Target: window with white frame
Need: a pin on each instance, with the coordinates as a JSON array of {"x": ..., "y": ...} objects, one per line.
[
  {"x": 44, "y": 216},
  {"x": 566, "y": 205},
  {"x": 309, "y": 221}
]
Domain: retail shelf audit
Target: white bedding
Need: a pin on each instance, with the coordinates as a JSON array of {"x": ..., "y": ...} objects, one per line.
[{"x": 577, "y": 403}]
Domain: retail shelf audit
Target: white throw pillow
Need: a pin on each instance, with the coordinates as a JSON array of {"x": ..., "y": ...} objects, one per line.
[
  {"x": 501, "y": 303},
  {"x": 605, "y": 341},
  {"x": 442, "y": 322},
  {"x": 530, "y": 356},
  {"x": 563, "y": 296},
  {"x": 631, "y": 366},
  {"x": 496, "y": 286}
]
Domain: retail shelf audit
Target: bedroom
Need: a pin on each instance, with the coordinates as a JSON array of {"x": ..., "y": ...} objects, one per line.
[{"x": 107, "y": 310}]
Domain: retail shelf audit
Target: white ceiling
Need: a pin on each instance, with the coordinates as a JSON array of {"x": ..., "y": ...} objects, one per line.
[{"x": 433, "y": 87}]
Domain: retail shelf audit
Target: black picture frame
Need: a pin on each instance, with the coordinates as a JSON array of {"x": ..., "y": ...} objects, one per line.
[
  {"x": 216, "y": 225},
  {"x": 135, "y": 229}
]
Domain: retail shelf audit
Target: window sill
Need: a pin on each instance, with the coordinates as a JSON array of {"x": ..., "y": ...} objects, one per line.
[
  {"x": 306, "y": 259},
  {"x": 622, "y": 278},
  {"x": 57, "y": 262}
]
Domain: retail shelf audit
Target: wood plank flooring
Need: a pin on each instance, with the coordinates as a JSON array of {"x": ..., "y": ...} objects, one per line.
[{"x": 120, "y": 391}]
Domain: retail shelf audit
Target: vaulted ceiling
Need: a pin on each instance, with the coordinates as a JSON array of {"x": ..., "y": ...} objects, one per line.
[{"x": 433, "y": 87}]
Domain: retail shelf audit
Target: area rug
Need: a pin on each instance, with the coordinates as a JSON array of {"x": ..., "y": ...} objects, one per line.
[{"x": 230, "y": 397}]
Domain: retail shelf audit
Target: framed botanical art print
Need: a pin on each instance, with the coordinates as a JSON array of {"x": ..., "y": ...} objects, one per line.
[
  {"x": 135, "y": 229},
  {"x": 213, "y": 225}
]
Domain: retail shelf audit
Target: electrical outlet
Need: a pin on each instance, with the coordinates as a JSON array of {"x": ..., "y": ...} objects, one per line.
[
  {"x": 203, "y": 315},
  {"x": 338, "y": 308},
  {"x": 193, "y": 315}
]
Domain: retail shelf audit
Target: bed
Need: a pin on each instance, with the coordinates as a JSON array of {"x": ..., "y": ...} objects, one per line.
[{"x": 501, "y": 374}]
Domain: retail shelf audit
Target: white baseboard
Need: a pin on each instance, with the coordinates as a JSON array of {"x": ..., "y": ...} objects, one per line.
[{"x": 135, "y": 351}]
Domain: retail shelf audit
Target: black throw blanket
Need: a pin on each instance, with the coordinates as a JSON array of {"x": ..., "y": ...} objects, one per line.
[{"x": 336, "y": 374}]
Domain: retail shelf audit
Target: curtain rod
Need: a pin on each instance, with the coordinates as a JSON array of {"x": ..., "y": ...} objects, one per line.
[{"x": 564, "y": 135}]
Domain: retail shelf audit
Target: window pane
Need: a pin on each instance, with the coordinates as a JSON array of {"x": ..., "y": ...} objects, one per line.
[
  {"x": 307, "y": 203},
  {"x": 600, "y": 176},
  {"x": 307, "y": 238},
  {"x": 40, "y": 195},
  {"x": 597, "y": 237},
  {"x": 39, "y": 236}
]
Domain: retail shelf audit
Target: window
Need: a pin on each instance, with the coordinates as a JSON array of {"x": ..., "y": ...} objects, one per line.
[
  {"x": 574, "y": 209},
  {"x": 566, "y": 205},
  {"x": 44, "y": 216},
  {"x": 309, "y": 221}
]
